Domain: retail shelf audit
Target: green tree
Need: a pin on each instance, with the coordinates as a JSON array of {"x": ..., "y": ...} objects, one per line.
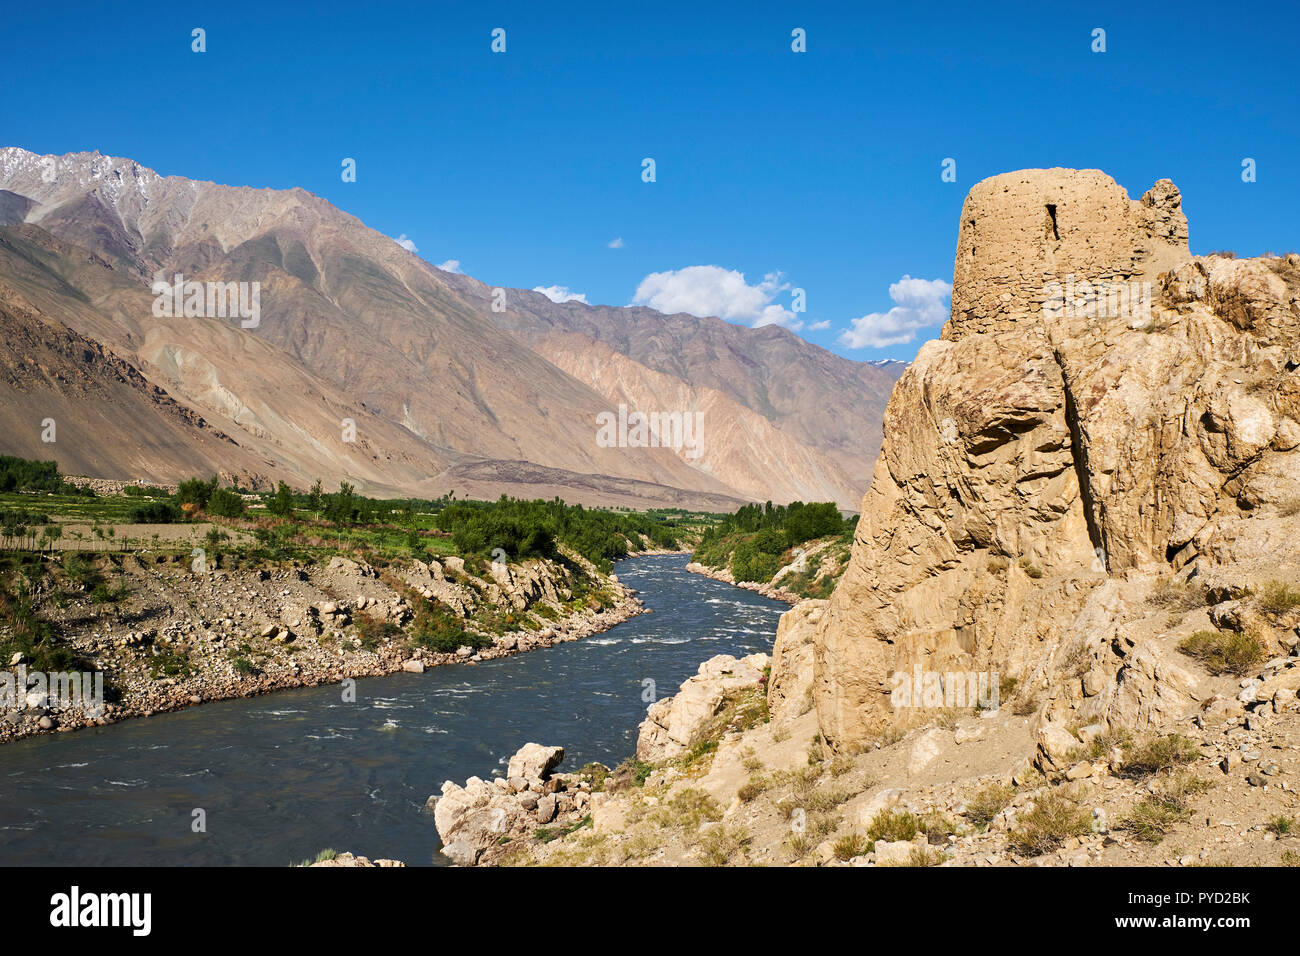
[
  {"x": 225, "y": 503},
  {"x": 282, "y": 504},
  {"x": 196, "y": 491}
]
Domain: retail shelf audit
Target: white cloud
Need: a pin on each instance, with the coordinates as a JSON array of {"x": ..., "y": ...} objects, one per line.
[
  {"x": 712, "y": 290},
  {"x": 451, "y": 265},
  {"x": 921, "y": 303},
  {"x": 616, "y": 243},
  {"x": 821, "y": 326},
  {"x": 560, "y": 293},
  {"x": 406, "y": 243}
]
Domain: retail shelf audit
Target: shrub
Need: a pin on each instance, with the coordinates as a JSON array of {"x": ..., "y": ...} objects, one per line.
[
  {"x": 846, "y": 848},
  {"x": 1176, "y": 596},
  {"x": 321, "y": 857},
  {"x": 1168, "y": 803},
  {"x": 438, "y": 628},
  {"x": 988, "y": 803},
  {"x": 1222, "y": 653},
  {"x": 196, "y": 491},
  {"x": 1151, "y": 819},
  {"x": 372, "y": 631},
  {"x": 921, "y": 856},
  {"x": 1026, "y": 705},
  {"x": 752, "y": 788},
  {"x": 936, "y": 827},
  {"x": 548, "y": 834},
  {"x": 1052, "y": 821},
  {"x": 749, "y": 563},
  {"x": 1102, "y": 744},
  {"x": 226, "y": 504},
  {"x": 893, "y": 825},
  {"x": 171, "y": 662},
  {"x": 1282, "y": 825},
  {"x": 721, "y": 844},
  {"x": 155, "y": 512},
  {"x": 1031, "y": 569},
  {"x": 1155, "y": 754},
  {"x": 741, "y": 709},
  {"x": 30, "y": 634},
  {"x": 632, "y": 772},
  {"x": 1276, "y": 598},
  {"x": 595, "y": 774},
  {"x": 687, "y": 810}
]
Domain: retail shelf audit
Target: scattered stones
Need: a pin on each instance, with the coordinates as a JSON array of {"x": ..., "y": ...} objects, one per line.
[{"x": 475, "y": 821}]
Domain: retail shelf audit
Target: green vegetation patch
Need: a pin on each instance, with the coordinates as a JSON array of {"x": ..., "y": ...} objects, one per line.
[{"x": 1224, "y": 653}]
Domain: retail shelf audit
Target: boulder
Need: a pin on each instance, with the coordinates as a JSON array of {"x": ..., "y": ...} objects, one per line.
[
  {"x": 673, "y": 723},
  {"x": 534, "y": 761},
  {"x": 896, "y": 853},
  {"x": 926, "y": 749},
  {"x": 472, "y": 819},
  {"x": 546, "y": 808},
  {"x": 1057, "y": 747}
]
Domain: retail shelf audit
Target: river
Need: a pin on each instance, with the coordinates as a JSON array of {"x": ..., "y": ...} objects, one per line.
[{"x": 282, "y": 776}]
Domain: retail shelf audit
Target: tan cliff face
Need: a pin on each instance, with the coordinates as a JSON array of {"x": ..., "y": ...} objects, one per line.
[{"x": 1073, "y": 437}]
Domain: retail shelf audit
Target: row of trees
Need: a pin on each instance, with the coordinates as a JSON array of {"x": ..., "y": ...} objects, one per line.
[
  {"x": 22, "y": 530},
  {"x": 752, "y": 540},
  {"x": 778, "y": 527},
  {"x": 24, "y": 474},
  {"x": 524, "y": 529}
]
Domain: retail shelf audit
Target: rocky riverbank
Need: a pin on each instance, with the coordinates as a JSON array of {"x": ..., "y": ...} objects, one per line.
[
  {"x": 765, "y": 588},
  {"x": 721, "y": 779},
  {"x": 181, "y": 638}
]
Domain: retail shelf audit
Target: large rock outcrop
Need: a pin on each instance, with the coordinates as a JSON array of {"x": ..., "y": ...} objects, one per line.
[
  {"x": 1103, "y": 410},
  {"x": 673, "y": 724}
]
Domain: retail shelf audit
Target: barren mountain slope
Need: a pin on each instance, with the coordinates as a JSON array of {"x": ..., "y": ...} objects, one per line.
[
  {"x": 349, "y": 312},
  {"x": 827, "y": 402},
  {"x": 99, "y": 410},
  {"x": 739, "y": 447}
]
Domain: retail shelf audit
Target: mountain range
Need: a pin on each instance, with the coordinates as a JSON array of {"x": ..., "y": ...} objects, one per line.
[{"x": 366, "y": 364}]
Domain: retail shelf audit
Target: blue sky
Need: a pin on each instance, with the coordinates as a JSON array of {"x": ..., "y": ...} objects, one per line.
[{"x": 820, "y": 170}]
